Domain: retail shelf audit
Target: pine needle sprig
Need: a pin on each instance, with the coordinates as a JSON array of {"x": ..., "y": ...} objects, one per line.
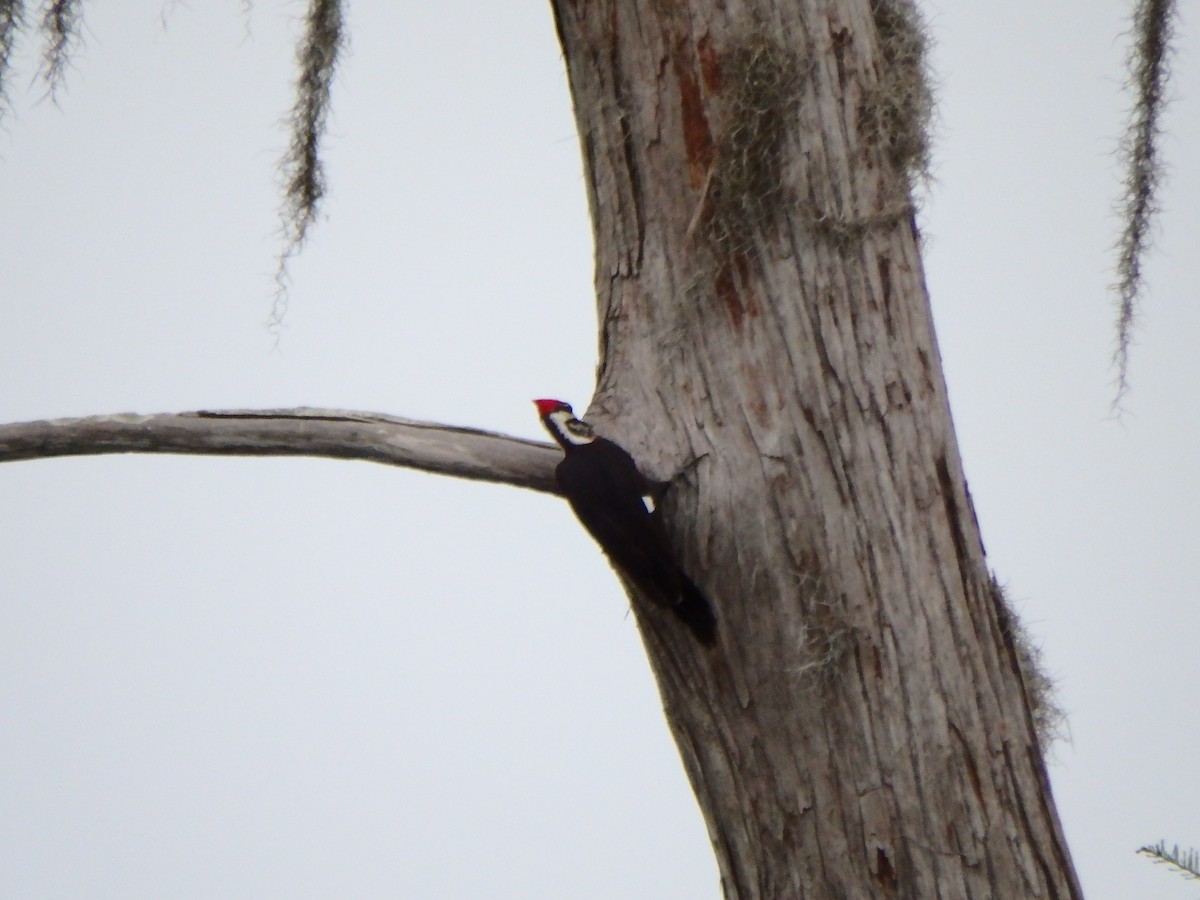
[{"x": 1185, "y": 862}]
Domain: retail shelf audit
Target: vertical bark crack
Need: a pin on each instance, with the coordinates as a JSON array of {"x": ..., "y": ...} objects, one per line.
[{"x": 952, "y": 518}]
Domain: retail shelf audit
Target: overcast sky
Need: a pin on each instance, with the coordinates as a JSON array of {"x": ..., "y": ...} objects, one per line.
[{"x": 307, "y": 678}]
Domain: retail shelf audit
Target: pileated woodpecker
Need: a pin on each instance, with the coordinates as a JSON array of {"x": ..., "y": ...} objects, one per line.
[{"x": 610, "y": 497}]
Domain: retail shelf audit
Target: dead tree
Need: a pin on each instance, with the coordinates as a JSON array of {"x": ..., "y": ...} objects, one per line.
[{"x": 864, "y": 726}]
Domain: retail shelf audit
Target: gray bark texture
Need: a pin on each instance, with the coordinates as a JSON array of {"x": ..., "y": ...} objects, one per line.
[
  {"x": 862, "y": 728},
  {"x": 335, "y": 433}
]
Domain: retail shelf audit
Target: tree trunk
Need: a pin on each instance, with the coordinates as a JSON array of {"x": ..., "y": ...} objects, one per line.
[{"x": 862, "y": 728}]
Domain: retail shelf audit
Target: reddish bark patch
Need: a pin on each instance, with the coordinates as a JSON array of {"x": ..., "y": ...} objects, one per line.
[
  {"x": 710, "y": 65},
  {"x": 756, "y": 395},
  {"x": 742, "y": 262},
  {"x": 762, "y": 414},
  {"x": 697, "y": 136},
  {"x": 733, "y": 288},
  {"x": 728, "y": 292},
  {"x": 884, "y": 873}
]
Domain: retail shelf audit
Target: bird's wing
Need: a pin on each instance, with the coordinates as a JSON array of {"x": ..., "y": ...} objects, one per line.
[{"x": 608, "y": 501}]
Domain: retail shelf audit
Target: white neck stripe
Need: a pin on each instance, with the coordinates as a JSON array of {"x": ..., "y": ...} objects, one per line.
[{"x": 561, "y": 421}]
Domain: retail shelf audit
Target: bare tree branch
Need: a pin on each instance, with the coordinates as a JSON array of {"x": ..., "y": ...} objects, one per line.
[{"x": 334, "y": 433}]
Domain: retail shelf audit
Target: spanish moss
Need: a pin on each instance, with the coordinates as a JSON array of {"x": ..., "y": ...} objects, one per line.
[
  {"x": 1140, "y": 152},
  {"x": 897, "y": 110},
  {"x": 303, "y": 171},
  {"x": 61, "y": 21},
  {"x": 12, "y": 16}
]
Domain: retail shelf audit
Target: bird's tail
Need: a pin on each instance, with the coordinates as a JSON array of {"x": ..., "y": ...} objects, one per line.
[{"x": 693, "y": 608}]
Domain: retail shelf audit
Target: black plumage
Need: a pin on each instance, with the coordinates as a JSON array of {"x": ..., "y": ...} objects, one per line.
[{"x": 607, "y": 492}]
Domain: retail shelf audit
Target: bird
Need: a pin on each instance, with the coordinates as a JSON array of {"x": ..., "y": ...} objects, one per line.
[{"x": 613, "y": 500}]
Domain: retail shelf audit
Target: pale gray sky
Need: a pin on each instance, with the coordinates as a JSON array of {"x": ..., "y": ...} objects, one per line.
[{"x": 250, "y": 678}]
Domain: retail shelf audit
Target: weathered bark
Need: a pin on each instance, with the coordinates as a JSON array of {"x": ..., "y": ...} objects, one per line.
[
  {"x": 862, "y": 729},
  {"x": 335, "y": 433}
]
